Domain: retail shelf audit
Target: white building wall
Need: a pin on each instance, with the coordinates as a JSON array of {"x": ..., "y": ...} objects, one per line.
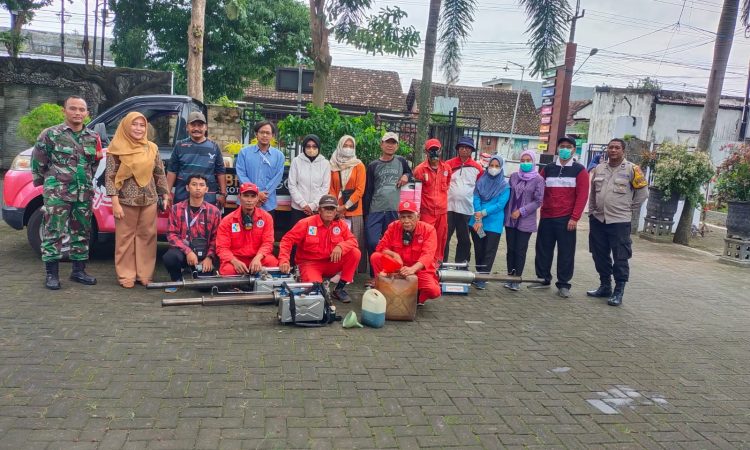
[{"x": 607, "y": 107}]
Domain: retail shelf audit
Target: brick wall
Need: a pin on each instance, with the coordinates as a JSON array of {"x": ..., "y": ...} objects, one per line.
[{"x": 223, "y": 125}]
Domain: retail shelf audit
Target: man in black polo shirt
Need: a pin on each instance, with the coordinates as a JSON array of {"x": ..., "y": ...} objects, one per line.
[{"x": 200, "y": 156}]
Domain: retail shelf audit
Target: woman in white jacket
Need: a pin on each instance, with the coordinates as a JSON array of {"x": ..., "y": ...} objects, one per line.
[{"x": 309, "y": 178}]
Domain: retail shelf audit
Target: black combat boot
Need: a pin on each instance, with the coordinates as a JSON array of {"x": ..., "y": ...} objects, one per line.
[
  {"x": 79, "y": 274},
  {"x": 603, "y": 291},
  {"x": 52, "y": 281},
  {"x": 616, "y": 298}
]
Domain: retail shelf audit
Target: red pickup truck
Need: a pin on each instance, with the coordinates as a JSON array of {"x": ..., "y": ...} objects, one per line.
[{"x": 167, "y": 114}]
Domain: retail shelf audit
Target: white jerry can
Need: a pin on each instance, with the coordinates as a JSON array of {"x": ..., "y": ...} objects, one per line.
[{"x": 373, "y": 308}]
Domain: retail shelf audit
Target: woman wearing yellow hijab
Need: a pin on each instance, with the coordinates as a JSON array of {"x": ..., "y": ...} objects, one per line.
[{"x": 135, "y": 179}]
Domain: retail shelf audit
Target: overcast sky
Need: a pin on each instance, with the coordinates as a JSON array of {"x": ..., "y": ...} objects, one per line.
[{"x": 671, "y": 40}]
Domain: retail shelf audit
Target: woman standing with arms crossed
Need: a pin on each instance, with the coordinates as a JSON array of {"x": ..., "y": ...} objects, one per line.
[
  {"x": 527, "y": 191},
  {"x": 348, "y": 176},
  {"x": 134, "y": 180},
  {"x": 490, "y": 196}
]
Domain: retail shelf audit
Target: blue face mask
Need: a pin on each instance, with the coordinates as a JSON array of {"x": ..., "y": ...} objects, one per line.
[
  {"x": 527, "y": 166},
  {"x": 565, "y": 153}
]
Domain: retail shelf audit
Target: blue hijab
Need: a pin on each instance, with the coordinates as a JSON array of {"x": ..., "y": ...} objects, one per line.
[{"x": 489, "y": 187}]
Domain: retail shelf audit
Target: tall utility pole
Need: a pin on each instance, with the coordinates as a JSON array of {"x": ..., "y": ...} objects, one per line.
[
  {"x": 96, "y": 24},
  {"x": 62, "y": 30},
  {"x": 104, "y": 25},
  {"x": 563, "y": 82},
  {"x": 86, "y": 32},
  {"x": 511, "y": 144}
]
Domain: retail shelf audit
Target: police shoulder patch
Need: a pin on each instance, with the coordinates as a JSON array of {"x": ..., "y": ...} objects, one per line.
[{"x": 639, "y": 181}]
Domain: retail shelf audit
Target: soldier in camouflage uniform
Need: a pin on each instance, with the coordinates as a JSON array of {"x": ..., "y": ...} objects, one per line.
[{"x": 63, "y": 161}]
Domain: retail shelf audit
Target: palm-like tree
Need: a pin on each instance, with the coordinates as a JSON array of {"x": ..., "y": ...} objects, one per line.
[
  {"x": 722, "y": 48},
  {"x": 454, "y": 26},
  {"x": 548, "y": 26},
  {"x": 548, "y": 22}
]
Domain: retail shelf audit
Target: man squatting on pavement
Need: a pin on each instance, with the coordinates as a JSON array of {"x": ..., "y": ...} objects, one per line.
[
  {"x": 618, "y": 188},
  {"x": 413, "y": 244},
  {"x": 244, "y": 242},
  {"x": 63, "y": 161},
  {"x": 325, "y": 247},
  {"x": 193, "y": 226}
]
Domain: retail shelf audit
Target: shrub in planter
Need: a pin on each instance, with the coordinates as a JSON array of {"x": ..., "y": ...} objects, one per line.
[
  {"x": 683, "y": 172},
  {"x": 733, "y": 188},
  {"x": 733, "y": 175}
]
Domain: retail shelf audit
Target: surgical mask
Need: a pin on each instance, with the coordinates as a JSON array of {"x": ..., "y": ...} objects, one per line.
[
  {"x": 527, "y": 166},
  {"x": 347, "y": 152},
  {"x": 312, "y": 153},
  {"x": 434, "y": 153},
  {"x": 494, "y": 171},
  {"x": 565, "y": 153}
]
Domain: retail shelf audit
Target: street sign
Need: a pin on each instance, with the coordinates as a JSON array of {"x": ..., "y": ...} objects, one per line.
[
  {"x": 546, "y": 110},
  {"x": 548, "y": 92},
  {"x": 548, "y": 101},
  {"x": 542, "y": 146},
  {"x": 544, "y": 129},
  {"x": 548, "y": 82},
  {"x": 287, "y": 79},
  {"x": 546, "y": 119},
  {"x": 544, "y": 138},
  {"x": 550, "y": 73}
]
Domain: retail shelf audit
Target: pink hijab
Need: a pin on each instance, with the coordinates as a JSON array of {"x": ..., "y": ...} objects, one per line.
[{"x": 527, "y": 176}]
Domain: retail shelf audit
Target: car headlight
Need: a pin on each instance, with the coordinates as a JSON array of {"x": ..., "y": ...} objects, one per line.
[{"x": 22, "y": 163}]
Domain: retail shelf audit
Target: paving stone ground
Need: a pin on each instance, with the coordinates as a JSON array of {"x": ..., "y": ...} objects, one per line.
[{"x": 106, "y": 368}]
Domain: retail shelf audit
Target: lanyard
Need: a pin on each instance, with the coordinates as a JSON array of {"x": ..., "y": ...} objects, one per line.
[{"x": 189, "y": 223}]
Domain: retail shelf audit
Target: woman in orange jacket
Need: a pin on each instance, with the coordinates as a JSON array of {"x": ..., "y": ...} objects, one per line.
[{"x": 350, "y": 172}]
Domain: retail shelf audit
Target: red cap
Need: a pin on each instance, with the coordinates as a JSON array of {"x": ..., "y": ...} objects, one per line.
[
  {"x": 407, "y": 205},
  {"x": 432, "y": 143},
  {"x": 248, "y": 187}
]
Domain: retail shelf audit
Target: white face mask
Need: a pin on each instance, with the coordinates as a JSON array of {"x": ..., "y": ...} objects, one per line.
[
  {"x": 347, "y": 152},
  {"x": 494, "y": 171}
]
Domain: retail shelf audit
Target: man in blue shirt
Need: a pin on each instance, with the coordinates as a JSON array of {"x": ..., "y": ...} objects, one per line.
[
  {"x": 197, "y": 155},
  {"x": 262, "y": 165}
]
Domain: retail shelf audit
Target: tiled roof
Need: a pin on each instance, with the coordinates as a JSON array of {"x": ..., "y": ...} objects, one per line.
[
  {"x": 377, "y": 90},
  {"x": 493, "y": 106}
]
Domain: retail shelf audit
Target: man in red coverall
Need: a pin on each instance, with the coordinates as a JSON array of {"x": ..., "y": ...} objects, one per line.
[
  {"x": 435, "y": 176},
  {"x": 325, "y": 247},
  {"x": 244, "y": 241},
  {"x": 413, "y": 243}
]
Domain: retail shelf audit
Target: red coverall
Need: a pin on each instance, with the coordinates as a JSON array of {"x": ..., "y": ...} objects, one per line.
[
  {"x": 233, "y": 241},
  {"x": 434, "y": 207},
  {"x": 315, "y": 242},
  {"x": 422, "y": 248}
]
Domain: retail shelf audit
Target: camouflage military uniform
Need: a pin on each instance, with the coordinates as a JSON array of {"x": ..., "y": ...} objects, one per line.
[{"x": 63, "y": 161}]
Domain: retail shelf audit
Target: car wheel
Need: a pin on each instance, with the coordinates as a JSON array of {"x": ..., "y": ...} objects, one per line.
[
  {"x": 34, "y": 235},
  {"x": 34, "y": 230}
]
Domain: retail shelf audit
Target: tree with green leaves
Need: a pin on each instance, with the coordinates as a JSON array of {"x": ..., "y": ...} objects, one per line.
[
  {"x": 243, "y": 40},
  {"x": 21, "y": 13},
  {"x": 345, "y": 19},
  {"x": 454, "y": 25},
  {"x": 547, "y": 30},
  {"x": 722, "y": 48}
]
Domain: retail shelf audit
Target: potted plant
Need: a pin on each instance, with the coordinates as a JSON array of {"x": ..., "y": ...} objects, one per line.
[
  {"x": 733, "y": 188},
  {"x": 681, "y": 172}
]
